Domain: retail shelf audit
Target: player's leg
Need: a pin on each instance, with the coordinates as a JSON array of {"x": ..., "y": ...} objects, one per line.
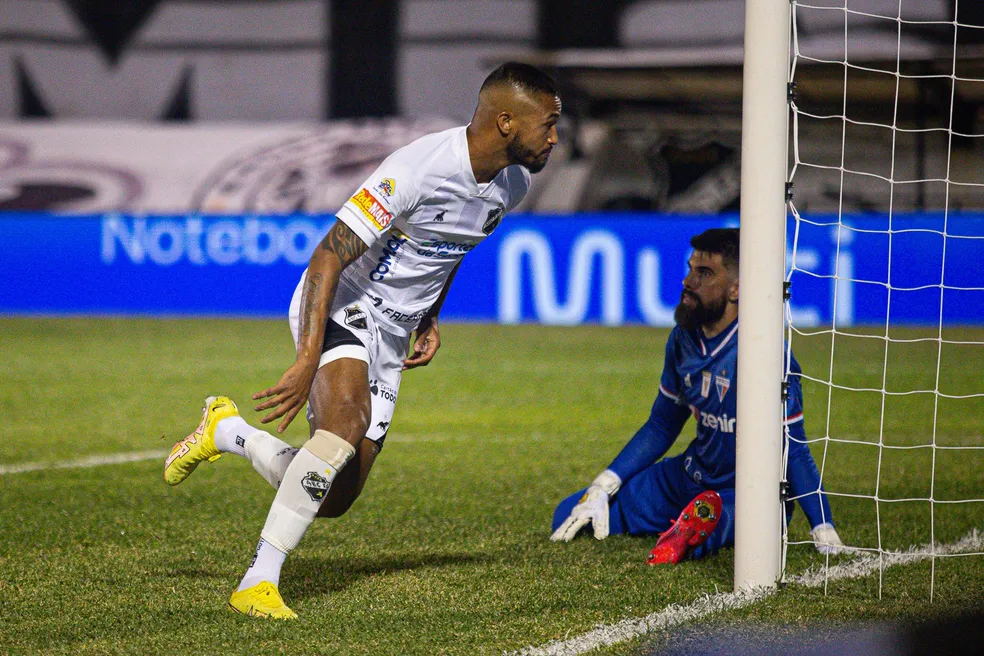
[
  {"x": 344, "y": 404},
  {"x": 341, "y": 421},
  {"x": 651, "y": 500},
  {"x": 385, "y": 376},
  {"x": 350, "y": 481}
]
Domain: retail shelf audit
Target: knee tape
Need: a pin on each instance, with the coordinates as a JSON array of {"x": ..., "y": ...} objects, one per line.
[{"x": 331, "y": 448}]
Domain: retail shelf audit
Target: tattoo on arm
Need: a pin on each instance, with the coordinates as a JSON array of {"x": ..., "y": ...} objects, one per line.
[
  {"x": 310, "y": 294},
  {"x": 344, "y": 243}
]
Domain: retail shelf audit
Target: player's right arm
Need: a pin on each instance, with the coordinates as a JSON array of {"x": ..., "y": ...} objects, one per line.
[
  {"x": 666, "y": 419},
  {"x": 338, "y": 249}
]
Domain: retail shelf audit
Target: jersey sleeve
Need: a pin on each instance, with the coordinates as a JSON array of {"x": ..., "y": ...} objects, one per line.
[
  {"x": 653, "y": 439},
  {"x": 666, "y": 419},
  {"x": 390, "y": 191},
  {"x": 669, "y": 381},
  {"x": 794, "y": 400},
  {"x": 801, "y": 472}
]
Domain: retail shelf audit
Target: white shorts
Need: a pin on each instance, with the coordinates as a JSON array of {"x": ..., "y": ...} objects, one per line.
[{"x": 352, "y": 333}]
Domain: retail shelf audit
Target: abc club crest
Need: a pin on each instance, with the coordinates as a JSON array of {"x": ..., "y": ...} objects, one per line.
[
  {"x": 493, "y": 219},
  {"x": 355, "y": 317},
  {"x": 315, "y": 485}
]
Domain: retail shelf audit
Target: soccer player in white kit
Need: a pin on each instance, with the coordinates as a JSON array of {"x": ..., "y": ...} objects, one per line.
[{"x": 381, "y": 273}]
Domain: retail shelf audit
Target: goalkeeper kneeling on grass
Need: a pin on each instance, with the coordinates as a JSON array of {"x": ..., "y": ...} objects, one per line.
[{"x": 690, "y": 499}]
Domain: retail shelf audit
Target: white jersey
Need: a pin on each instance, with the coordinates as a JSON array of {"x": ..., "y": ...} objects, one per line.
[{"x": 419, "y": 213}]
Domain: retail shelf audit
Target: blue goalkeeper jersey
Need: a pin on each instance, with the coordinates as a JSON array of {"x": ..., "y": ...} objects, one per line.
[{"x": 699, "y": 380}]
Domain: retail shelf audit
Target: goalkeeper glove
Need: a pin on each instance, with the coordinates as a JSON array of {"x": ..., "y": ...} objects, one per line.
[
  {"x": 826, "y": 540},
  {"x": 592, "y": 508}
]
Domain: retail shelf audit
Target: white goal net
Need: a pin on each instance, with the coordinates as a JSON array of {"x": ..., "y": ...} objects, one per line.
[{"x": 887, "y": 320}]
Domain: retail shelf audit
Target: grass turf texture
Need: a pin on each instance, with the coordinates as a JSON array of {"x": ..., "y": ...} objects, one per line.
[{"x": 447, "y": 550}]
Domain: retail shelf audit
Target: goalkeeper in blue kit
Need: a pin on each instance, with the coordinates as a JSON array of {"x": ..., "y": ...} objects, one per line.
[{"x": 690, "y": 498}]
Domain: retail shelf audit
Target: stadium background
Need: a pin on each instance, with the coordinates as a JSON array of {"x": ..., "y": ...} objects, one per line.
[
  {"x": 152, "y": 149},
  {"x": 275, "y": 108}
]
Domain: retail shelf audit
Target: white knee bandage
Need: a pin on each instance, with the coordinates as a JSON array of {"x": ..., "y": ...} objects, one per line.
[
  {"x": 305, "y": 486},
  {"x": 331, "y": 448}
]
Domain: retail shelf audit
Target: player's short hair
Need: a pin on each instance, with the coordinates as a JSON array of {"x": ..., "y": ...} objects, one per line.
[
  {"x": 719, "y": 240},
  {"x": 529, "y": 78}
]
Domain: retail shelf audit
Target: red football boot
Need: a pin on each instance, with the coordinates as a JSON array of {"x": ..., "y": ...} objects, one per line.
[{"x": 691, "y": 529}]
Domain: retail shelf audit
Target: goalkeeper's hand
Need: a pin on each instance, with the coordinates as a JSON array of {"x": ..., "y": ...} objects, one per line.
[
  {"x": 592, "y": 508},
  {"x": 826, "y": 540}
]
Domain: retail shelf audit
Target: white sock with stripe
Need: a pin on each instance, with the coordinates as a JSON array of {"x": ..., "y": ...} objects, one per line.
[{"x": 269, "y": 455}]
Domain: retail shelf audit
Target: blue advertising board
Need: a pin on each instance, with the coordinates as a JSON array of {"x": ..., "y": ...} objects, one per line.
[{"x": 601, "y": 268}]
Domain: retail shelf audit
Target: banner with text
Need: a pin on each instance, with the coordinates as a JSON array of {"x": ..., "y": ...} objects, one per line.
[{"x": 561, "y": 270}]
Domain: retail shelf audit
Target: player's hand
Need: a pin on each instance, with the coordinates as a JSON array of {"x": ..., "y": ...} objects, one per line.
[
  {"x": 425, "y": 346},
  {"x": 591, "y": 509},
  {"x": 826, "y": 540},
  {"x": 289, "y": 395}
]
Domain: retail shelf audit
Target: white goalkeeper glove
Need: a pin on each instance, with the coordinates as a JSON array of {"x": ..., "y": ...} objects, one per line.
[
  {"x": 826, "y": 540},
  {"x": 593, "y": 508}
]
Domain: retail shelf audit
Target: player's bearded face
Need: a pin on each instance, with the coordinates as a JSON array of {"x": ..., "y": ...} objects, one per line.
[
  {"x": 520, "y": 153},
  {"x": 692, "y": 312},
  {"x": 536, "y": 132}
]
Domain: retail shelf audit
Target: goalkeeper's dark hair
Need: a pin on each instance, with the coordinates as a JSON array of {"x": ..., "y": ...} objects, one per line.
[
  {"x": 529, "y": 78},
  {"x": 723, "y": 241}
]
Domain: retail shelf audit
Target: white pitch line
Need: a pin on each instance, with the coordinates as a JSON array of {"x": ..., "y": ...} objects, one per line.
[
  {"x": 609, "y": 634},
  {"x": 868, "y": 562},
  {"x": 606, "y": 635},
  {"x": 91, "y": 461}
]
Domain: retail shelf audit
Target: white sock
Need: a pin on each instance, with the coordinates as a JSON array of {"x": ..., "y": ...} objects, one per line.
[
  {"x": 269, "y": 456},
  {"x": 265, "y": 566},
  {"x": 305, "y": 486},
  {"x": 231, "y": 434}
]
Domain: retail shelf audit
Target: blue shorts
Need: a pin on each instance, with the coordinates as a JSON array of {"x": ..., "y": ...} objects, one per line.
[{"x": 649, "y": 502}]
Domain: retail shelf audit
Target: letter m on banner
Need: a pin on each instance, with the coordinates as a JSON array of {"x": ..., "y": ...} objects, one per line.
[{"x": 534, "y": 247}]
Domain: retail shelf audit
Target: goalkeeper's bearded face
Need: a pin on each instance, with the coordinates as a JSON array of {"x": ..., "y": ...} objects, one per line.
[
  {"x": 692, "y": 313},
  {"x": 705, "y": 294}
]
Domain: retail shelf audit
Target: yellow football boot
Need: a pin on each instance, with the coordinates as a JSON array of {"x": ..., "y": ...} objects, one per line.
[
  {"x": 200, "y": 445},
  {"x": 262, "y": 600}
]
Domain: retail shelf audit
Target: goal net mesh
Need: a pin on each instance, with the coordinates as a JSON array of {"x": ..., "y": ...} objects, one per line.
[{"x": 886, "y": 170}]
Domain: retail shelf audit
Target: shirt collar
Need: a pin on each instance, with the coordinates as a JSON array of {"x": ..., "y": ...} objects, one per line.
[{"x": 718, "y": 342}]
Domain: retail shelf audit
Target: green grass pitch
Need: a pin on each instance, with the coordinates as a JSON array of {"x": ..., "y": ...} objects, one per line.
[{"x": 447, "y": 551}]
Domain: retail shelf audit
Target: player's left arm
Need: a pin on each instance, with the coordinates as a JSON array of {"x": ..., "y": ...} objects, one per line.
[{"x": 428, "y": 338}]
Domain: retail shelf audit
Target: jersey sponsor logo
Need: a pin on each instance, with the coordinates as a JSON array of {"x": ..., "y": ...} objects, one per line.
[
  {"x": 439, "y": 217},
  {"x": 382, "y": 390},
  {"x": 315, "y": 485},
  {"x": 388, "y": 257},
  {"x": 372, "y": 209},
  {"x": 722, "y": 384},
  {"x": 386, "y": 186},
  {"x": 402, "y": 317},
  {"x": 722, "y": 423},
  {"x": 376, "y": 300},
  {"x": 439, "y": 248},
  {"x": 493, "y": 219},
  {"x": 705, "y": 384},
  {"x": 355, "y": 317}
]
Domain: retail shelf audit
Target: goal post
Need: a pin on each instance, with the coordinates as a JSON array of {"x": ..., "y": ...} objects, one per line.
[{"x": 758, "y": 515}]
